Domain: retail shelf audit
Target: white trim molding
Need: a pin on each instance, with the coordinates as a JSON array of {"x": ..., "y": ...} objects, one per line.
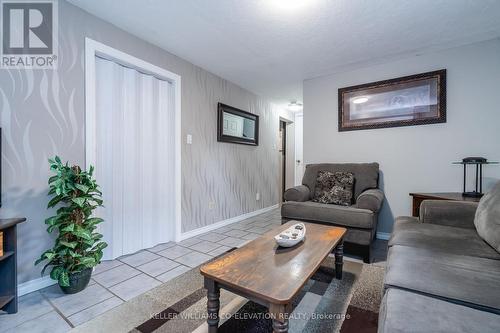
[
  {"x": 95, "y": 49},
  {"x": 383, "y": 235},
  {"x": 34, "y": 285},
  {"x": 223, "y": 223}
]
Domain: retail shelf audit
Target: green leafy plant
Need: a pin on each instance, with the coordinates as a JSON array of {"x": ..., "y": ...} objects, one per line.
[{"x": 78, "y": 246}]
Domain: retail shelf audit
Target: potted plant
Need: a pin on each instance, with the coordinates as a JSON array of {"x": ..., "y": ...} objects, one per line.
[{"x": 78, "y": 247}]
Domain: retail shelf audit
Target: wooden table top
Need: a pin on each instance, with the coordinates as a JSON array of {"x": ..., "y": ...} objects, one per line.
[{"x": 262, "y": 269}]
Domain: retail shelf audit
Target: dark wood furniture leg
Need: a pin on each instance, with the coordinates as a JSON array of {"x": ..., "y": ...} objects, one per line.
[
  {"x": 416, "y": 206},
  {"x": 280, "y": 315},
  {"x": 213, "y": 304},
  {"x": 339, "y": 259},
  {"x": 367, "y": 254}
]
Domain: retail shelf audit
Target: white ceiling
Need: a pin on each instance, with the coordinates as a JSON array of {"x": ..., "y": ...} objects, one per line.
[{"x": 270, "y": 49}]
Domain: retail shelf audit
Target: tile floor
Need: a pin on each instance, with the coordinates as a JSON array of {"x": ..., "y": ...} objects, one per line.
[{"x": 117, "y": 281}]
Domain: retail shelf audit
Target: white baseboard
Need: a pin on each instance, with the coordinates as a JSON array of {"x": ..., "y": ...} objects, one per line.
[
  {"x": 34, "y": 285},
  {"x": 220, "y": 224},
  {"x": 383, "y": 235}
]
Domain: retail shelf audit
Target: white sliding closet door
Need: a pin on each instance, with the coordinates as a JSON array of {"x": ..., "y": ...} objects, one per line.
[{"x": 135, "y": 129}]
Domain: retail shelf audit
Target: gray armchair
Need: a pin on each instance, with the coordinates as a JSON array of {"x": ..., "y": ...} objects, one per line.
[{"x": 360, "y": 218}]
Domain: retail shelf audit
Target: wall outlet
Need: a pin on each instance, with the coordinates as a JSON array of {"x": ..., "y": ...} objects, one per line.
[
  {"x": 189, "y": 139},
  {"x": 257, "y": 196},
  {"x": 211, "y": 205}
]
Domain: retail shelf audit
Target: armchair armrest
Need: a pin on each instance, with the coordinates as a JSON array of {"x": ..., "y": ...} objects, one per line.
[
  {"x": 297, "y": 193},
  {"x": 451, "y": 213},
  {"x": 371, "y": 199}
]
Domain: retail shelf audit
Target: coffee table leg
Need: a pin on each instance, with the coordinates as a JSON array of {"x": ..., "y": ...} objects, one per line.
[
  {"x": 280, "y": 313},
  {"x": 339, "y": 259},
  {"x": 213, "y": 304}
]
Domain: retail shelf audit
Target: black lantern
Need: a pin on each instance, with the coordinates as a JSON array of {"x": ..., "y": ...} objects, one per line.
[{"x": 478, "y": 162}]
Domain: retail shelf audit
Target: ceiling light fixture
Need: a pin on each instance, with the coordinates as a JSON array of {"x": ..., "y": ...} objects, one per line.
[
  {"x": 359, "y": 100},
  {"x": 294, "y": 106},
  {"x": 288, "y": 4}
]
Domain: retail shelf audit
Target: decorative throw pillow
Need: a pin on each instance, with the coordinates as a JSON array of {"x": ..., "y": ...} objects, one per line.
[
  {"x": 334, "y": 188},
  {"x": 487, "y": 219}
]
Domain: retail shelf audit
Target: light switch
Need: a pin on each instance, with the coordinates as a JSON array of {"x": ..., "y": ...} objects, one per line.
[{"x": 189, "y": 139}]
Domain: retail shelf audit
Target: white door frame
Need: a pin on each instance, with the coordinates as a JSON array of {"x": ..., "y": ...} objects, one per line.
[
  {"x": 290, "y": 151},
  {"x": 299, "y": 175},
  {"x": 93, "y": 49}
]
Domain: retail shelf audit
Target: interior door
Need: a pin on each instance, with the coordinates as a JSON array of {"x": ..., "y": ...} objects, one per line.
[
  {"x": 135, "y": 158},
  {"x": 282, "y": 152},
  {"x": 290, "y": 155},
  {"x": 299, "y": 158}
]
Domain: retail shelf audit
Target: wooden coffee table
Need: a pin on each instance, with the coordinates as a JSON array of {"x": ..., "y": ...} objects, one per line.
[{"x": 270, "y": 275}]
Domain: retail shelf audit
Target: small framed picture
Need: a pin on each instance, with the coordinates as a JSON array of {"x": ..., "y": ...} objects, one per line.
[
  {"x": 237, "y": 126},
  {"x": 406, "y": 101}
]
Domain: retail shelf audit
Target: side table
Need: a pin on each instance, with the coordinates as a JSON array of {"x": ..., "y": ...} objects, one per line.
[{"x": 454, "y": 196}]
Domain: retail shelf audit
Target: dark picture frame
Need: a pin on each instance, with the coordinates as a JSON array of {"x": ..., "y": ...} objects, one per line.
[
  {"x": 418, "y": 99},
  {"x": 252, "y": 140}
]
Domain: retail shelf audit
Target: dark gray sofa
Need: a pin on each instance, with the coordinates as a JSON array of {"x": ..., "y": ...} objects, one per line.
[
  {"x": 360, "y": 219},
  {"x": 443, "y": 269}
]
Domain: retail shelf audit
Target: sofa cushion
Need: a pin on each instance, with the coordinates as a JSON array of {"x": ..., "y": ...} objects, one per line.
[
  {"x": 410, "y": 232},
  {"x": 365, "y": 175},
  {"x": 487, "y": 219},
  {"x": 447, "y": 212},
  {"x": 465, "y": 280},
  {"x": 334, "y": 188},
  {"x": 338, "y": 215},
  {"x": 403, "y": 311}
]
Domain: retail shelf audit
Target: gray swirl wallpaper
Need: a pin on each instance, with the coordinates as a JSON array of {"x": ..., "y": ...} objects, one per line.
[{"x": 42, "y": 113}]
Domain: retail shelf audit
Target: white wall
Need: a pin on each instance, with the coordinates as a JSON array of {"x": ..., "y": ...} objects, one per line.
[{"x": 416, "y": 158}]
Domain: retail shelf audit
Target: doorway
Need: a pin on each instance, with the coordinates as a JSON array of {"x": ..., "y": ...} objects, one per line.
[
  {"x": 282, "y": 151},
  {"x": 133, "y": 141},
  {"x": 286, "y": 151},
  {"x": 299, "y": 158}
]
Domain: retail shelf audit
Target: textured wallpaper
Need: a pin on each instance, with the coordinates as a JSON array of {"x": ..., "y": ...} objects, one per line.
[{"x": 42, "y": 114}]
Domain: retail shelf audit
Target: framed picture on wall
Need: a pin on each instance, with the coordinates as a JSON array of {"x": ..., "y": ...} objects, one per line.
[
  {"x": 405, "y": 101},
  {"x": 237, "y": 126}
]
